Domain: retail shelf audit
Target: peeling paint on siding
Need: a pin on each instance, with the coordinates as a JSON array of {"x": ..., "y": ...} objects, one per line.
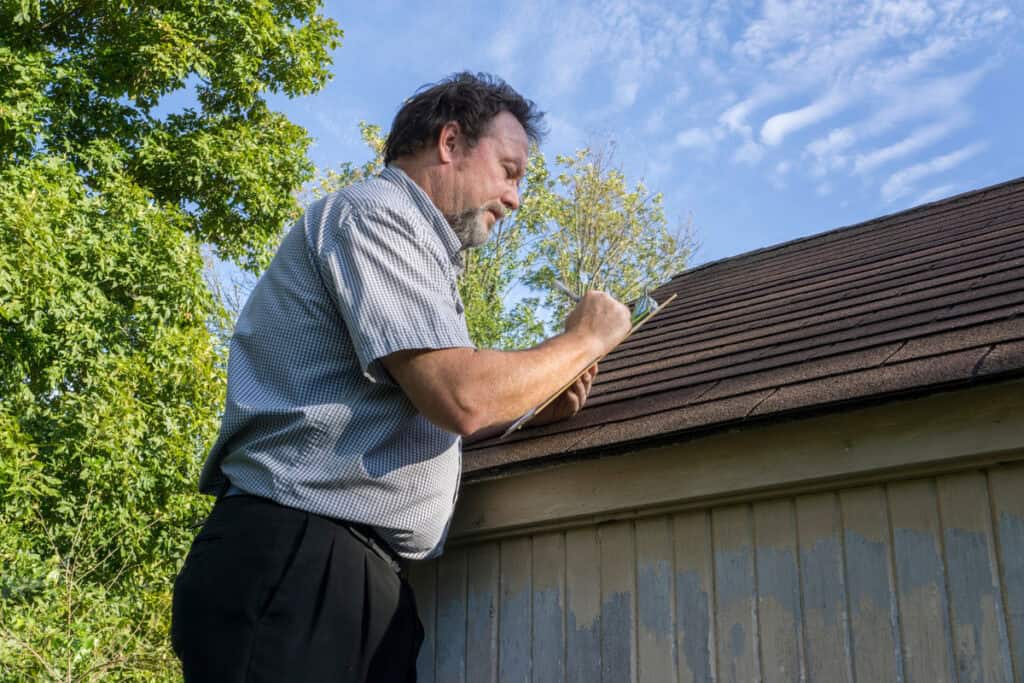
[
  {"x": 654, "y": 581},
  {"x": 695, "y": 622},
  {"x": 920, "y": 580}
]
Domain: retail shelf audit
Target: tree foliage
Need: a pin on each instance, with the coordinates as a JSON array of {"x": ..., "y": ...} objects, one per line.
[
  {"x": 110, "y": 378},
  {"x": 491, "y": 272},
  {"x": 592, "y": 232}
]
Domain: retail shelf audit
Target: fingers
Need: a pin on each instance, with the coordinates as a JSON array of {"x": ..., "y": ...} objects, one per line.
[
  {"x": 575, "y": 397},
  {"x": 588, "y": 379},
  {"x": 580, "y": 390}
]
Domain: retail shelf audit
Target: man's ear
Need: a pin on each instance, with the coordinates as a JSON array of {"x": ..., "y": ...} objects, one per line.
[{"x": 448, "y": 141}]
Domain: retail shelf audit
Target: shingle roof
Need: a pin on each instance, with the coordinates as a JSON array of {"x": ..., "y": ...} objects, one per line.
[{"x": 922, "y": 300}]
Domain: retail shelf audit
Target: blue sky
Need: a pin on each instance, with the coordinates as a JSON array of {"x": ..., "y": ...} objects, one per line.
[{"x": 764, "y": 121}]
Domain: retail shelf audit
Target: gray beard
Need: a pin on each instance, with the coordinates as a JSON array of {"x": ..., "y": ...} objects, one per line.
[{"x": 469, "y": 227}]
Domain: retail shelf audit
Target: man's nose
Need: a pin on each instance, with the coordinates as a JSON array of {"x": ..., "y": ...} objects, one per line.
[{"x": 511, "y": 198}]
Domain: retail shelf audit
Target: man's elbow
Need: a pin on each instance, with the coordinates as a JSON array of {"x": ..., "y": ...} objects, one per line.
[
  {"x": 456, "y": 419},
  {"x": 462, "y": 426},
  {"x": 465, "y": 423}
]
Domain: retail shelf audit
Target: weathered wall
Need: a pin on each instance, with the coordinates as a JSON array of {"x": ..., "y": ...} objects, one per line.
[{"x": 914, "y": 580}]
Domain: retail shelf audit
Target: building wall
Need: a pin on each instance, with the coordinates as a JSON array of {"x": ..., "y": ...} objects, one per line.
[{"x": 919, "y": 579}]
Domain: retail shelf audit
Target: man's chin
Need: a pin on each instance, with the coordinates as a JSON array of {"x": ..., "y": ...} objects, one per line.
[
  {"x": 472, "y": 228},
  {"x": 478, "y": 238}
]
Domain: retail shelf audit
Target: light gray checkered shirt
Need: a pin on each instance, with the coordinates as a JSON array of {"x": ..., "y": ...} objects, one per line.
[{"x": 313, "y": 420}]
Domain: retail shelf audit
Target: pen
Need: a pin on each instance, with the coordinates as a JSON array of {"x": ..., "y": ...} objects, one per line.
[{"x": 565, "y": 290}]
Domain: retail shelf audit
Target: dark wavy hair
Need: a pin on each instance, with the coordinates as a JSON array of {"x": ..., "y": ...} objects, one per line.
[{"x": 471, "y": 100}]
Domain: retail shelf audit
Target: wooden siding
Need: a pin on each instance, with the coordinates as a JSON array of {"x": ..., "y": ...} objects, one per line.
[{"x": 916, "y": 580}]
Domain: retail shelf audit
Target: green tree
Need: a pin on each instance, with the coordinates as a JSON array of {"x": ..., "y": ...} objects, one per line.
[
  {"x": 491, "y": 272},
  {"x": 111, "y": 378},
  {"x": 591, "y": 231}
]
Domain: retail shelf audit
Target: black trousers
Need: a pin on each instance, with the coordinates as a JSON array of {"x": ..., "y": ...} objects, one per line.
[{"x": 270, "y": 593}]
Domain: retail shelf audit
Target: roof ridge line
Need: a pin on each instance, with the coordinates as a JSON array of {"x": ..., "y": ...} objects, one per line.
[{"x": 843, "y": 228}]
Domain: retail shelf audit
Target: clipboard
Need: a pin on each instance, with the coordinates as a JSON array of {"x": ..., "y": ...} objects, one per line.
[{"x": 532, "y": 412}]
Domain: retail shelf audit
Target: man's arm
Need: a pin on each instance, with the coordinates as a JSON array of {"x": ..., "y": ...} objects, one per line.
[{"x": 465, "y": 390}]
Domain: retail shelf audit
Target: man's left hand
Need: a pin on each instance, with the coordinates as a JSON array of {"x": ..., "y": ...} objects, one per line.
[{"x": 570, "y": 401}]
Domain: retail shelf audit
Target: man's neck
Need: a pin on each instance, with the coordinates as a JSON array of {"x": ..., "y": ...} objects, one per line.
[{"x": 423, "y": 174}]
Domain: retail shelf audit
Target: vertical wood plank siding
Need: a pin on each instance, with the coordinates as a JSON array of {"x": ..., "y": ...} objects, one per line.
[
  {"x": 735, "y": 594},
  {"x": 548, "y": 608},
  {"x": 656, "y": 639},
  {"x": 911, "y": 581},
  {"x": 482, "y": 581},
  {"x": 450, "y": 651},
  {"x": 779, "y": 603}
]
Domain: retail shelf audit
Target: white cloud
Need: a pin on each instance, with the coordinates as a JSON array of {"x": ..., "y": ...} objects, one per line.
[
  {"x": 901, "y": 182},
  {"x": 749, "y": 153},
  {"x": 833, "y": 144},
  {"x": 919, "y": 139},
  {"x": 888, "y": 73},
  {"x": 625, "y": 47},
  {"x": 901, "y": 17},
  {"x": 784, "y": 23},
  {"x": 695, "y": 138},
  {"x": 779, "y": 126},
  {"x": 922, "y": 98},
  {"x": 997, "y": 16},
  {"x": 571, "y": 56},
  {"x": 871, "y": 84},
  {"x": 880, "y": 64},
  {"x": 777, "y": 177},
  {"x": 735, "y": 117},
  {"x": 936, "y": 193},
  {"x": 905, "y": 103}
]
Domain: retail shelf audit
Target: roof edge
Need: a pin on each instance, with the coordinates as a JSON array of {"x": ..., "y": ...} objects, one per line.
[{"x": 693, "y": 433}]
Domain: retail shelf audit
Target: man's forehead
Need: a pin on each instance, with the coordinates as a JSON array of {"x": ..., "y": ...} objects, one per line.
[{"x": 509, "y": 133}]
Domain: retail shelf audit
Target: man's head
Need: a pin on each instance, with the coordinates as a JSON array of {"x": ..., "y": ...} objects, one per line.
[{"x": 465, "y": 141}]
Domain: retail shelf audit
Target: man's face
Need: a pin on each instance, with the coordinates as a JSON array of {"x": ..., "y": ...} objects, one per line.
[{"x": 485, "y": 184}]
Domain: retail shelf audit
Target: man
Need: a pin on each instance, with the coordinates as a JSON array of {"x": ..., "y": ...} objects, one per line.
[{"x": 351, "y": 380}]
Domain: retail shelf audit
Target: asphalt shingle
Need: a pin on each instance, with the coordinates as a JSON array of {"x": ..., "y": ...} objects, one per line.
[{"x": 918, "y": 301}]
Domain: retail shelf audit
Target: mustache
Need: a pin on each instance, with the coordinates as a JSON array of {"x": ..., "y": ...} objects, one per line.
[{"x": 497, "y": 208}]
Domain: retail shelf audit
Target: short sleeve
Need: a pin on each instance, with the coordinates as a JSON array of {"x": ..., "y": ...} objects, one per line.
[{"x": 391, "y": 288}]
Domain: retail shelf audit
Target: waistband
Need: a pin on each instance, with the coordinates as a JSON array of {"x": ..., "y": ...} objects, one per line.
[{"x": 363, "y": 533}]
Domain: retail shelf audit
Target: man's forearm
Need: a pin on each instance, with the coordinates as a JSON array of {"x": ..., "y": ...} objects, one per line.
[{"x": 466, "y": 390}]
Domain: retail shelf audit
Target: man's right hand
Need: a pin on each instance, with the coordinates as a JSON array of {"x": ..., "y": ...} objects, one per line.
[{"x": 599, "y": 316}]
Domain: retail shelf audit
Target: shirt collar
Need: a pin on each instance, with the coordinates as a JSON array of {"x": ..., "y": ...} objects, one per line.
[{"x": 430, "y": 211}]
